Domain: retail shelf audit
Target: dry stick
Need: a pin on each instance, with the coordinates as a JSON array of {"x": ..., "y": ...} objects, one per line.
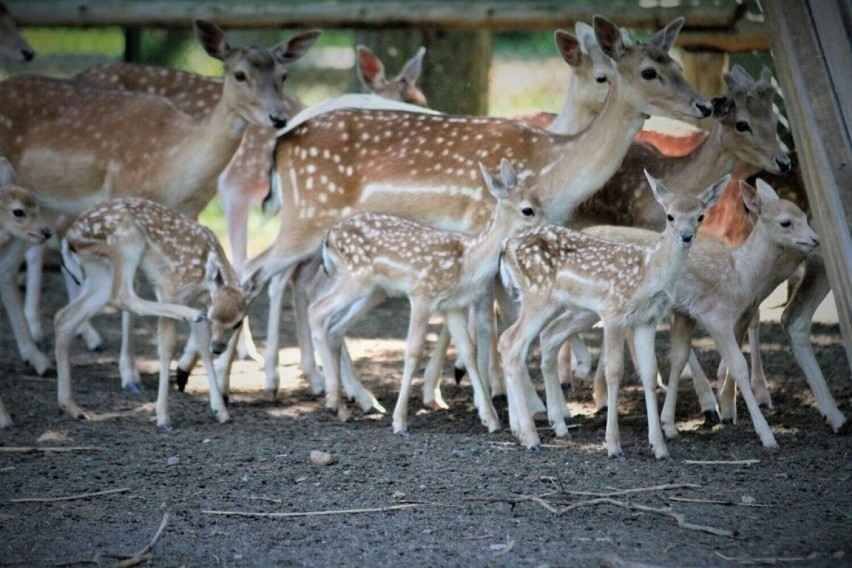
[
  {"x": 69, "y": 497},
  {"x": 145, "y": 553},
  {"x": 317, "y": 513},
  {"x": 267, "y": 499},
  {"x": 681, "y": 521},
  {"x": 24, "y": 449},
  {"x": 746, "y": 560},
  {"x": 721, "y": 462},
  {"x": 666, "y": 487},
  {"x": 714, "y": 502}
]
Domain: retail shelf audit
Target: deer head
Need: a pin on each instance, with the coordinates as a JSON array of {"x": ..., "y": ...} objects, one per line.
[
  {"x": 245, "y": 67},
  {"x": 684, "y": 213},
  {"x": 785, "y": 222},
  {"x": 403, "y": 87},
  {"x": 20, "y": 215},
  {"x": 750, "y": 121},
  {"x": 651, "y": 79},
  {"x": 13, "y": 47},
  {"x": 229, "y": 301}
]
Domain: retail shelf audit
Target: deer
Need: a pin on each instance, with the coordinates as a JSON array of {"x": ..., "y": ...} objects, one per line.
[
  {"x": 399, "y": 162},
  {"x": 21, "y": 226},
  {"x": 245, "y": 181},
  {"x": 556, "y": 269},
  {"x": 780, "y": 241},
  {"x": 108, "y": 244},
  {"x": 167, "y": 155},
  {"x": 373, "y": 254}
]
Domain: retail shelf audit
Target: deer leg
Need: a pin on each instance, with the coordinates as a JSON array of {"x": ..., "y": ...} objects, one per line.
[
  {"x": 729, "y": 348},
  {"x": 225, "y": 361},
  {"x": 614, "y": 346},
  {"x": 413, "y": 349},
  {"x": 796, "y": 321},
  {"x": 217, "y": 403},
  {"x": 187, "y": 361},
  {"x": 432, "y": 376},
  {"x": 166, "y": 344},
  {"x": 646, "y": 362},
  {"x": 94, "y": 295},
  {"x": 5, "y": 419},
  {"x": 302, "y": 278},
  {"x": 484, "y": 320},
  {"x": 456, "y": 321},
  {"x": 130, "y": 379},
  {"x": 758, "y": 377},
  {"x": 704, "y": 391},
  {"x": 273, "y": 332},
  {"x": 11, "y": 254},
  {"x": 32, "y": 300},
  {"x": 87, "y": 331},
  {"x": 514, "y": 346},
  {"x": 551, "y": 340},
  {"x": 599, "y": 390},
  {"x": 679, "y": 351}
]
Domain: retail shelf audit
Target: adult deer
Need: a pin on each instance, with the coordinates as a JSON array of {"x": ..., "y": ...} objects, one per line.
[
  {"x": 369, "y": 255},
  {"x": 555, "y": 269},
  {"x": 106, "y": 246},
  {"x": 104, "y": 143},
  {"x": 424, "y": 166}
]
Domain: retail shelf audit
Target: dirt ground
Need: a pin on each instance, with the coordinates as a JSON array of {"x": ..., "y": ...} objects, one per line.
[{"x": 466, "y": 492}]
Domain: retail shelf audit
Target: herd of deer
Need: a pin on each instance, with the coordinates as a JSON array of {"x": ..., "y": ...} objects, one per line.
[{"x": 379, "y": 197}]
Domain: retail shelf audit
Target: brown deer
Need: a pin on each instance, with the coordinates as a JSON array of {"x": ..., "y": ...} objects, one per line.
[
  {"x": 372, "y": 254},
  {"x": 423, "y": 166},
  {"x": 104, "y": 249},
  {"x": 554, "y": 269}
]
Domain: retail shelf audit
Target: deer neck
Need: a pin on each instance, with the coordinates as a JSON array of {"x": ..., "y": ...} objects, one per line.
[
  {"x": 578, "y": 166},
  {"x": 481, "y": 252},
  {"x": 698, "y": 169},
  {"x": 574, "y": 116},
  {"x": 666, "y": 262}
]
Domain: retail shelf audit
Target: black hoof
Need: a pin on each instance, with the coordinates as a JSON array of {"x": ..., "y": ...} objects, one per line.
[
  {"x": 403, "y": 433},
  {"x": 459, "y": 374},
  {"x": 226, "y": 399},
  {"x": 500, "y": 398},
  {"x": 711, "y": 417},
  {"x": 535, "y": 448},
  {"x": 372, "y": 411},
  {"x": 619, "y": 456},
  {"x": 601, "y": 411},
  {"x": 166, "y": 427},
  {"x": 843, "y": 430},
  {"x": 181, "y": 378},
  {"x": 332, "y": 411},
  {"x": 570, "y": 421},
  {"x": 727, "y": 420},
  {"x": 764, "y": 406},
  {"x": 49, "y": 374},
  {"x": 133, "y": 388}
]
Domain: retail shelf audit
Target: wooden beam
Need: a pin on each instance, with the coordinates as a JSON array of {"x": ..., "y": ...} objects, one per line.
[
  {"x": 718, "y": 25},
  {"x": 812, "y": 60}
]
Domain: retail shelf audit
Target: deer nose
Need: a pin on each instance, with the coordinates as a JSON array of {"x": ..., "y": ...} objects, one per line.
[
  {"x": 686, "y": 238},
  {"x": 46, "y": 233},
  {"x": 28, "y": 54},
  {"x": 705, "y": 109},
  {"x": 783, "y": 164},
  {"x": 277, "y": 121}
]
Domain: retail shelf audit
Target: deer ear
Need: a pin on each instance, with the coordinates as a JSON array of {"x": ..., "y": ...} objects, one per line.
[
  {"x": 609, "y": 37},
  {"x": 371, "y": 70},
  {"x": 252, "y": 286},
  {"x": 661, "y": 193},
  {"x": 569, "y": 47},
  {"x": 213, "y": 272},
  {"x": 494, "y": 185},
  {"x": 294, "y": 48},
  {"x": 750, "y": 197},
  {"x": 742, "y": 76},
  {"x": 711, "y": 195},
  {"x": 510, "y": 178},
  {"x": 212, "y": 39},
  {"x": 7, "y": 173},
  {"x": 765, "y": 191},
  {"x": 586, "y": 36},
  {"x": 411, "y": 70},
  {"x": 665, "y": 38}
]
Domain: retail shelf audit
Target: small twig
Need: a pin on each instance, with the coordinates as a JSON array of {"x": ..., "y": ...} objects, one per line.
[
  {"x": 504, "y": 548},
  {"x": 615, "y": 561},
  {"x": 480, "y": 537},
  {"x": 69, "y": 497},
  {"x": 316, "y": 513},
  {"x": 746, "y": 560},
  {"x": 145, "y": 554},
  {"x": 721, "y": 462},
  {"x": 25, "y": 449},
  {"x": 681, "y": 521},
  {"x": 715, "y": 502},
  {"x": 666, "y": 487},
  {"x": 267, "y": 499}
]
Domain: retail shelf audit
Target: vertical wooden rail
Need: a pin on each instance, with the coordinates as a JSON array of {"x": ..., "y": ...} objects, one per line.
[{"x": 813, "y": 61}]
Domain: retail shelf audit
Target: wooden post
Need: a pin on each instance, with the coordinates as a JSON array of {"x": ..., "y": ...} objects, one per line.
[
  {"x": 812, "y": 59},
  {"x": 703, "y": 70}
]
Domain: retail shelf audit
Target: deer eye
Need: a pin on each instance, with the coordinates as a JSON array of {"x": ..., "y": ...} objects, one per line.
[
  {"x": 670, "y": 217},
  {"x": 18, "y": 212},
  {"x": 649, "y": 74},
  {"x": 700, "y": 218},
  {"x": 240, "y": 76},
  {"x": 528, "y": 211},
  {"x": 601, "y": 78},
  {"x": 742, "y": 126},
  {"x": 786, "y": 223}
]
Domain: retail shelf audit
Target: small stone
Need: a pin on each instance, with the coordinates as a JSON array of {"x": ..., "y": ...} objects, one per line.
[
  {"x": 748, "y": 499},
  {"x": 321, "y": 458},
  {"x": 399, "y": 495},
  {"x": 173, "y": 460}
]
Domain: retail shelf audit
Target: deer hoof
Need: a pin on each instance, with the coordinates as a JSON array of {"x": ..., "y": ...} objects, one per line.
[
  {"x": 500, "y": 398},
  {"x": 181, "y": 378},
  {"x": 535, "y": 448},
  {"x": 711, "y": 417},
  {"x": 270, "y": 394},
  {"x": 459, "y": 374},
  {"x": 842, "y": 430},
  {"x": 728, "y": 421},
  {"x": 226, "y": 399},
  {"x": 167, "y": 427},
  {"x": 133, "y": 388}
]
